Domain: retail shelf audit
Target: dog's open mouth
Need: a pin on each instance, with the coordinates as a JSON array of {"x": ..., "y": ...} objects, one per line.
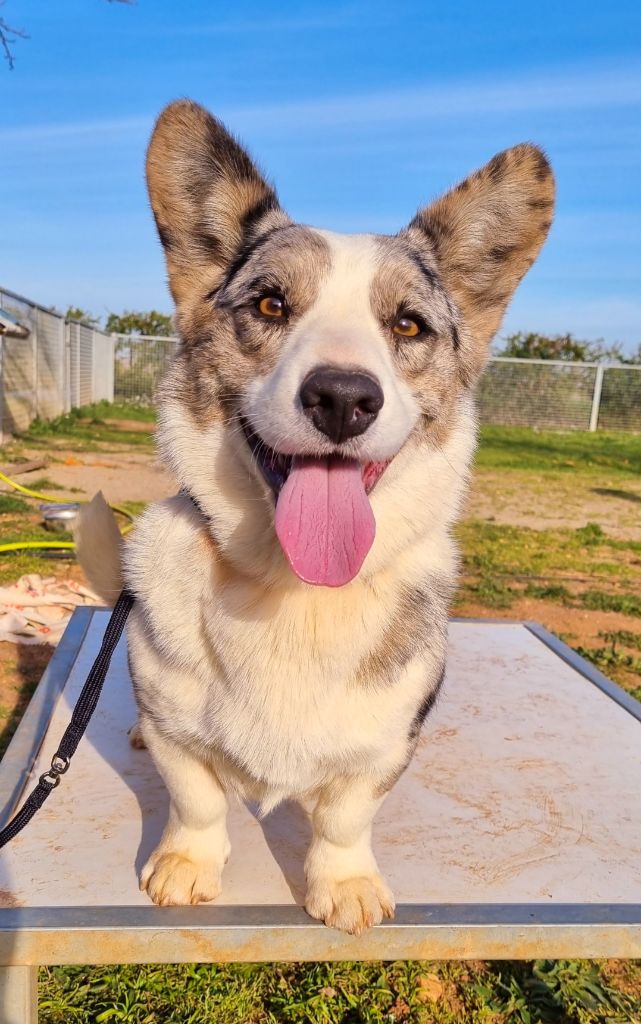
[{"x": 323, "y": 520}]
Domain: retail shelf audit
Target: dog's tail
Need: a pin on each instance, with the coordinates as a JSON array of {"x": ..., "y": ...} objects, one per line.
[{"x": 99, "y": 548}]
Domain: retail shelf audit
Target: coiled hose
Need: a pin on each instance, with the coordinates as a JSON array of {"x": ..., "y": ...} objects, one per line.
[{"x": 51, "y": 545}]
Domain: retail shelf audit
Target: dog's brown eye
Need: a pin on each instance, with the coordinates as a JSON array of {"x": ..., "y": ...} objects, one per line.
[
  {"x": 406, "y": 327},
  {"x": 271, "y": 305}
]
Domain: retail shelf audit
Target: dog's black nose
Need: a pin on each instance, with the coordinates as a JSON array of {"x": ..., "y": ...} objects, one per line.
[{"x": 341, "y": 403}]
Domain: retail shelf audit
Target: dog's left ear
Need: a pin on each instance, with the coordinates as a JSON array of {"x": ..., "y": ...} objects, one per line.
[
  {"x": 207, "y": 195},
  {"x": 488, "y": 231}
]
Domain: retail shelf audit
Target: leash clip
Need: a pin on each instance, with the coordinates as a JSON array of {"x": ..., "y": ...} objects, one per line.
[{"x": 59, "y": 766}]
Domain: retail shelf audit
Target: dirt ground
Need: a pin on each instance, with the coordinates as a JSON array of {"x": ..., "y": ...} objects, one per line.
[
  {"x": 575, "y": 626},
  {"x": 513, "y": 498},
  {"x": 121, "y": 476}
]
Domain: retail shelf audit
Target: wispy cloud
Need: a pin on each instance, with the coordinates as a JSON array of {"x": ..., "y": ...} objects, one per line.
[
  {"x": 581, "y": 89},
  {"x": 62, "y": 130},
  {"x": 268, "y": 24},
  {"x": 554, "y": 91}
]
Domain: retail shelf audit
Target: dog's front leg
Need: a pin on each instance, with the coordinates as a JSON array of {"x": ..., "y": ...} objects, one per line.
[
  {"x": 187, "y": 864},
  {"x": 344, "y": 886}
]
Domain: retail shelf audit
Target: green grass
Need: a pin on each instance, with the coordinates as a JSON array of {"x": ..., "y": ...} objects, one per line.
[
  {"x": 106, "y": 410},
  {"x": 617, "y": 658},
  {"x": 543, "y": 452},
  {"x": 622, "y": 637},
  {"x": 415, "y": 992},
  {"x": 29, "y": 527},
  {"x": 496, "y": 550},
  {"x": 548, "y": 592},
  {"x": 85, "y": 429},
  {"x": 82, "y": 429},
  {"x": 598, "y": 600},
  {"x": 608, "y": 659},
  {"x": 11, "y": 503},
  {"x": 44, "y": 484},
  {"x": 594, "y": 600}
]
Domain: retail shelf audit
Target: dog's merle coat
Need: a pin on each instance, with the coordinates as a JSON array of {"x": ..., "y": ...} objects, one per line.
[{"x": 249, "y": 680}]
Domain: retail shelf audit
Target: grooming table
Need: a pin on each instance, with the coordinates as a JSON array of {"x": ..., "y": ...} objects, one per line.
[{"x": 515, "y": 832}]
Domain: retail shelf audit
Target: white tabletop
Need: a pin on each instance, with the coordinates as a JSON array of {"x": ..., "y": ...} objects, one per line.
[{"x": 524, "y": 789}]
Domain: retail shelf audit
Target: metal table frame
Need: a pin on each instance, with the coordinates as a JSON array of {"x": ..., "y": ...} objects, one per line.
[{"x": 32, "y": 936}]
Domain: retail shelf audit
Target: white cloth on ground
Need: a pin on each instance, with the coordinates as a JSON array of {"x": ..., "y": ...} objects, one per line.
[{"x": 36, "y": 609}]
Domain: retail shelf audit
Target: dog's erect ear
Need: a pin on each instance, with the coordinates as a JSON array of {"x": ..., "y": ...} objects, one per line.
[
  {"x": 206, "y": 194},
  {"x": 487, "y": 232}
]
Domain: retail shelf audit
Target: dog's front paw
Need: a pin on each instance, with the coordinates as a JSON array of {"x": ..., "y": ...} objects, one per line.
[
  {"x": 172, "y": 879},
  {"x": 351, "y": 905}
]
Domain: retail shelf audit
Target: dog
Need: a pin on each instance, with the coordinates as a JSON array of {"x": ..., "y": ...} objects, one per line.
[{"x": 289, "y": 631}]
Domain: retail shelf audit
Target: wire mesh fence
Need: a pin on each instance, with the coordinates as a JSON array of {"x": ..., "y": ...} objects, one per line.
[
  {"x": 556, "y": 395},
  {"x": 48, "y": 365},
  {"x": 53, "y": 365},
  {"x": 620, "y": 404},
  {"x": 139, "y": 363},
  {"x": 530, "y": 393},
  {"x": 544, "y": 394}
]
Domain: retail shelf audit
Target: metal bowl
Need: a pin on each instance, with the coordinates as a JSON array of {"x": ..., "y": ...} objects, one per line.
[{"x": 59, "y": 517}]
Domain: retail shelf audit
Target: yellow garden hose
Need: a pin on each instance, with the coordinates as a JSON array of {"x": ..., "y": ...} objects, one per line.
[
  {"x": 51, "y": 545},
  {"x": 47, "y": 545}
]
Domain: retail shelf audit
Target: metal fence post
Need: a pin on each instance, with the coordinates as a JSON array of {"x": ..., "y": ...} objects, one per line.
[
  {"x": 67, "y": 367},
  {"x": 596, "y": 398},
  {"x": 34, "y": 354}
]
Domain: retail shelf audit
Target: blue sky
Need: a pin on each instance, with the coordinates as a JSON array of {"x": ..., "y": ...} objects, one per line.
[{"x": 359, "y": 112}]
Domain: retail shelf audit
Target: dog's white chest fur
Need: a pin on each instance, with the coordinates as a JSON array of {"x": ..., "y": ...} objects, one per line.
[{"x": 244, "y": 668}]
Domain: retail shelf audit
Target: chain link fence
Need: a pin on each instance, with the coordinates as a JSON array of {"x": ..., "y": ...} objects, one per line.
[
  {"x": 555, "y": 395},
  {"x": 139, "y": 363},
  {"x": 48, "y": 365},
  {"x": 513, "y": 392}
]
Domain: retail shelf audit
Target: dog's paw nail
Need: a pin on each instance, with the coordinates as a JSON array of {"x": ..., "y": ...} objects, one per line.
[
  {"x": 172, "y": 879},
  {"x": 352, "y": 905}
]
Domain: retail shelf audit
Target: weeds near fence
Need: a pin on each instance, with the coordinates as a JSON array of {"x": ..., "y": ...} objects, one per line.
[{"x": 94, "y": 426}]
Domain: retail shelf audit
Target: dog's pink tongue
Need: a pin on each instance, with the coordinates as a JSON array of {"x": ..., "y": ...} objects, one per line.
[{"x": 324, "y": 520}]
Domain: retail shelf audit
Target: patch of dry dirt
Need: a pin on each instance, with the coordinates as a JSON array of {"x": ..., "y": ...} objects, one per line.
[
  {"x": 126, "y": 476},
  {"x": 518, "y": 499},
  {"x": 578, "y": 626},
  {"x": 20, "y": 670}
]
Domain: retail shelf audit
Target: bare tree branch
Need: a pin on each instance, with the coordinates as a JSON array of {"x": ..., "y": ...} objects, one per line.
[{"x": 8, "y": 36}]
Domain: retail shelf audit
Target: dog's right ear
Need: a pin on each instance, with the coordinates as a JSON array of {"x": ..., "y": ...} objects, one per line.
[{"x": 207, "y": 196}]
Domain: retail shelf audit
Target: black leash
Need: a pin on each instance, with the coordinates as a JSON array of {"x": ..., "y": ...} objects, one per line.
[{"x": 84, "y": 709}]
